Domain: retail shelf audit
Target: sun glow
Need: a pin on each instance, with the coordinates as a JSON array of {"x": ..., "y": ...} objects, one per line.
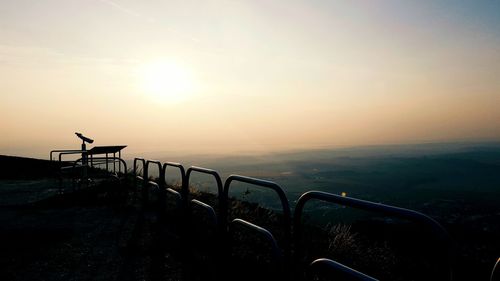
[{"x": 166, "y": 82}]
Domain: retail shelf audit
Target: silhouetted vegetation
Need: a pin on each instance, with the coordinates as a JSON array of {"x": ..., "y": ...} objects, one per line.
[{"x": 104, "y": 232}]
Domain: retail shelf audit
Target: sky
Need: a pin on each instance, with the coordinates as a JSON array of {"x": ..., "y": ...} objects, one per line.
[{"x": 246, "y": 76}]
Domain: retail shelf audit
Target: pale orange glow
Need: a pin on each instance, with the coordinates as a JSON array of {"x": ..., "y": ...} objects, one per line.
[
  {"x": 206, "y": 77},
  {"x": 166, "y": 81}
]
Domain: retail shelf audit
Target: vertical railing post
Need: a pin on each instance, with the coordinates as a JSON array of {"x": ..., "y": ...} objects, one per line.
[
  {"x": 84, "y": 161},
  {"x": 145, "y": 185}
]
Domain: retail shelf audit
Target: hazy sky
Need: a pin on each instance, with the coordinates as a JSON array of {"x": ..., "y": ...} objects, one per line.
[{"x": 226, "y": 76}]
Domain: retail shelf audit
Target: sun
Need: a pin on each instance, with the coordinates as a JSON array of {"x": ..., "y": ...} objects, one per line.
[{"x": 166, "y": 81}]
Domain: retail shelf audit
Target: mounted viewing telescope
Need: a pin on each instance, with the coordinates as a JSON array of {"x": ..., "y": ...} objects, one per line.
[
  {"x": 84, "y": 138},
  {"x": 84, "y": 153},
  {"x": 81, "y": 166}
]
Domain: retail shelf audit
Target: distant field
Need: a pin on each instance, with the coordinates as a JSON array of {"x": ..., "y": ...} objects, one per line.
[
  {"x": 407, "y": 176},
  {"x": 458, "y": 185}
]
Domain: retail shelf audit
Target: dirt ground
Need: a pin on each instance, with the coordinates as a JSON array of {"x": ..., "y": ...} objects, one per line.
[{"x": 82, "y": 236}]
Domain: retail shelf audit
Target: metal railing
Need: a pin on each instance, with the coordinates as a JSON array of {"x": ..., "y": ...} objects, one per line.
[
  {"x": 495, "y": 272},
  {"x": 208, "y": 209},
  {"x": 268, "y": 185},
  {"x": 388, "y": 210},
  {"x": 225, "y": 228},
  {"x": 206, "y": 171},
  {"x": 183, "y": 178},
  {"x": 79, "y": 163},
  {"x": 174, "y": 165},
  {"x": 135, "y": 170},
  {"x": 160, "y": 170},
  {"x": 151, "y": 186},
  {"x": 65, "y": 151},
  {"x": 104, "y": 160},
  {"x": 266, "y": 234},
  {"x": 335, "y": 269},
  {"x": 70, "y": 153}
]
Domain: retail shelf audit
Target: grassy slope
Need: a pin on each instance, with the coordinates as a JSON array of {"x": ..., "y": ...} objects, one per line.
[{"x": 87, "y": 234}]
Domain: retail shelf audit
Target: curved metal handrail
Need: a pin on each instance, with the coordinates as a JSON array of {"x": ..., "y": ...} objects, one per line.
[
  {"x": 175, "y": 193},
  {"x": 275, "y": 249},
  {"x": 75, "y": 165},
  {"x": 164, "y": 175},
  {"x": 338, "y": 269},
  {"x": 266, "y": 184},
  {"x": 146, "y": 182},
  {"x": 136, "y": 176},
  {"x": 213, "y": 173},
  {"x": 135, "y": 166},
  {"x": 175, "y": 165},
  {"x": 209, "y": 209},
  {"x": 495, "y": 272},
  {"x": 398, "y": 212},
  {"x": 75, "y": 151},
  {"x": 70, "y": 152},
  {"x": 160, "y": 170},
  {"x": 218, "y": 180},
  {"x": 109, "y": 159},
  {"x": 152, "y": 186}
]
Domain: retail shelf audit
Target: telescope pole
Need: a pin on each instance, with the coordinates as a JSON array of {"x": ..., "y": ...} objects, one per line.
[{"x": 84, "y": 161}]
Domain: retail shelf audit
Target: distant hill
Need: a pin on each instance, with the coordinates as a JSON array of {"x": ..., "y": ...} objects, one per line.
[{"x": 13, "y": 167}]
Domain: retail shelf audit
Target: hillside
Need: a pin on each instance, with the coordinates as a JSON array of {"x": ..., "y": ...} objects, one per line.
[{"x": 104, "y": 232}]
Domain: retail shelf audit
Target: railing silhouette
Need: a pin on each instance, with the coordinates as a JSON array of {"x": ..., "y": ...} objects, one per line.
[
  {"x": 387, "y": 210},
  {"x": 331, "y": 268},
  {"x": 151, "y": 187},
  {"x": 268, "y": 185},
  {"x": 103, "y": 161},
  {"x": 73, "y": 171},
  {"x": 190, "y": 205},
  {"x": 64, "y": 152},
  {"x": 495, "y": 273},
  {"x": 214, "y": 241},
  {"x": 295, "y": 247},
  {"x": 181, "y": 171},
  {"x": 135, "y": 169},
  {"x": 292, "y": 253},
  {"x": 218, "y": 180},
  {"x": 140, "y": 181}
]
